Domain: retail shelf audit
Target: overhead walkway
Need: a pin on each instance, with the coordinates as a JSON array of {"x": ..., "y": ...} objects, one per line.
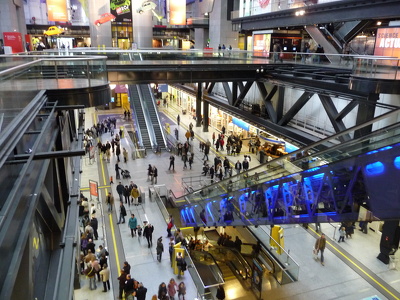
[{"x": 328, "y": 185}]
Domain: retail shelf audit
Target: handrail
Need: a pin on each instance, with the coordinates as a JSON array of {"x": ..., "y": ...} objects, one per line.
[
  {"x": 305, "y": 149},
  {"x": 150, "y": 129},
  {"x": 242, "y": 262},
  {"x": 219, "y": 273}
]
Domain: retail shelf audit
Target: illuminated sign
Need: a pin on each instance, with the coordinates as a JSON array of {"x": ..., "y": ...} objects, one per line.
[
  {"x": 57, "y": 10},
  {"x": 387, "y": 42},
  {"x": 177, "y": 12}
]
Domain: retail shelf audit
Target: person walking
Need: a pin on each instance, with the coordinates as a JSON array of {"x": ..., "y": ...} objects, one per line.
[
  {"x": 181, "y": 291},
  {"x": 181, "y": 264},
  {"x": 159, "y": 248},
  {"x": 120, "y": 190},
  {"x": 105, "y": 277},
  {"x": 320, "y": 246},
  {"x": 148, "y": 234},
  {"x": 132, "y": 224},
  {"x": 110, "y": 202},
  {"x": 170, "y": 225},
  {"x": 122, "y": 213},
  {"x": 172, "y": 287},
  {"x": 172, "y": 162},
  {"x": 238, "y": 167},
  {"x": 125, "y": 155},
  {"x": 178, "y": 119},
  {"x": 162, "y": 291},
  {"x": 117, "y": 168},
  {"x": 342, "y": 233},
  {"x": 135, "y": 195},
  {"x": 155, "y": 175},
  {"x": 141, "y": 292},
  {"x": 220, "y": 293}
]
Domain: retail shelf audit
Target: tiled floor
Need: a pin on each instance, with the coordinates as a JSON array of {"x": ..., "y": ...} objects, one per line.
[{"x": 335, "y": 280}]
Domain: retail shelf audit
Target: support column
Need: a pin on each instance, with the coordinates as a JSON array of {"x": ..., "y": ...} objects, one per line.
[
  {"x": 199, "y": 96},
  {"x": 205, "y": 116},
  {"x": 142, "y": 27},
  {"x": 366, "y": 113}
]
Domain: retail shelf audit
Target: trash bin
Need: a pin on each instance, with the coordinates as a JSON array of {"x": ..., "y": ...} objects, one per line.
[
  {"x": 142, "y": 194},
  {"x": 393, "y": 262}
]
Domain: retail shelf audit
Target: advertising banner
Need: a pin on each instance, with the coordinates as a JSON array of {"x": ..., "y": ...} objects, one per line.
[
  {"x": 388, "y": 42},
  {"x": 93, "y": 186},
  {"x": 14, "y": 40},
  {"x": 57, "y": 10},
  {"x": 122, "y": 10},
  {"x": 177, "y": 12}
]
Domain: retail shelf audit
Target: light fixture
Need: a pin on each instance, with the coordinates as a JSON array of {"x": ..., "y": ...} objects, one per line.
[
  {"x": 379, "y": 23},
  {"x": 112, "y": 86},
  {"x": 300, "y": 13}
]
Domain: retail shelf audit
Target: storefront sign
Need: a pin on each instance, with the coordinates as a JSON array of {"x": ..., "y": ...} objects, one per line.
[
  {"x": 13, "y": 40},
  {"x": 177, "y": 12},
  {"x": 387, "y": 42},
  {"x": 57, "y": 10}
]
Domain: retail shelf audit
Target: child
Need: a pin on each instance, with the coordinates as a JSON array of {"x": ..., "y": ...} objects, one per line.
[
  {"x": 342, "y": 232},
  {"x": 139, "y": 231}
]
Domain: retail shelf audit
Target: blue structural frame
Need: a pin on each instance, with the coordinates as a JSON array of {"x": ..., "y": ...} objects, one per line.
[{"x": 328, "y": 193}]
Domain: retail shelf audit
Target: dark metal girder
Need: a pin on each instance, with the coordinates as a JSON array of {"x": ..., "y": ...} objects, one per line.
[
  {"x": 51, "y": 154},
  {"x": 332, "y": 112},
  {"x": 243, "y": 93},
  {"x": 228, "y": 92},
  {"x": 346, "y": 110},
  {"x": 304, "y": 98},
  {"x": 322, "y": 13}
]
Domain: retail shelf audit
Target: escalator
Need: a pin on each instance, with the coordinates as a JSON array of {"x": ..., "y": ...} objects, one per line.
[
  {"x": 139, "y": 117},
  {"x": 329, "y": 45},
  {"x": 327, "y": 187},
  {"x": 149, "y": 103}
]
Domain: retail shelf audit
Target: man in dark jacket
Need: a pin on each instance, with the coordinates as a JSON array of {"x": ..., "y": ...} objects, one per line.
[
  {"x": 148, "y": 234},
  {"x": 141, "y": 292},
  {"x": 121, "y": 279},
  {"x": 122, "y": 213},
  {"x": 120, "y": 190},
  {"x": 95, "y": 225}
]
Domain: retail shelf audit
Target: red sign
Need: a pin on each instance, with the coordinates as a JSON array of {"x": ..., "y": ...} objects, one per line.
[
  {"x": 388, "y": 42},
  {"x": 14, "y": 40},
  {"x": 177, "y": 12},
  {"x": 93, "y": 188},
  {"x": 57, "y": 10}
]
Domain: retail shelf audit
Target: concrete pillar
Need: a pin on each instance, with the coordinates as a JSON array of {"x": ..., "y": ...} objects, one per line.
[
  {"x": 205, "y": 116},
  {"x": 99, "y": 35},
  {"x": 142, "y": 26},
  {"x": 198, "y": 103},
  {"x": 221, "y": 32}
]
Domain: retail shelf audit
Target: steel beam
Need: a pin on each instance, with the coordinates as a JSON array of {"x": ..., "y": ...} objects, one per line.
[
  {"x": 304, "y": 98},
  {"x": 331, "y": 111}
]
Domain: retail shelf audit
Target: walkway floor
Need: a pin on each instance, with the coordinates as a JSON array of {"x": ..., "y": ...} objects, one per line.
[{"x": 335, "y": 280}]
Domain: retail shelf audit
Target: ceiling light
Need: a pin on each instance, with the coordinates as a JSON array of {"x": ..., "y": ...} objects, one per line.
[{"x": 379, "y": 23}]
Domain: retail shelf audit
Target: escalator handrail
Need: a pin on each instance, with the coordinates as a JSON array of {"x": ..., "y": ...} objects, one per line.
[
  {"x": 309, "y": 147},
  {"x": 264, "y": 251},
  {"x": 243, "y": 263},
  {"x": 153, "y": 105},
  {"x": 215, "y": 264},
  {"x": 139, "y": 133},
  {"x": 150, "y": 129}
]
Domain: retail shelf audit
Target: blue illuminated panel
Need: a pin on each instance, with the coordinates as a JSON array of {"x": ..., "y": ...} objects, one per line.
[{"x": 375, "y": 168}]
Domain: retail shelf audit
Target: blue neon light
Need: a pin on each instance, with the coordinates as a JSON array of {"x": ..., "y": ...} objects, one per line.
[
  {"x": 397, "y": 162},
  {"x": 313, "y": 169},
  {"x": 317, "y": 176},
  {"x": 375, "y": 168},
  {"x": 386, "y": 148},
  {"x": 371, "y": 152}
]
